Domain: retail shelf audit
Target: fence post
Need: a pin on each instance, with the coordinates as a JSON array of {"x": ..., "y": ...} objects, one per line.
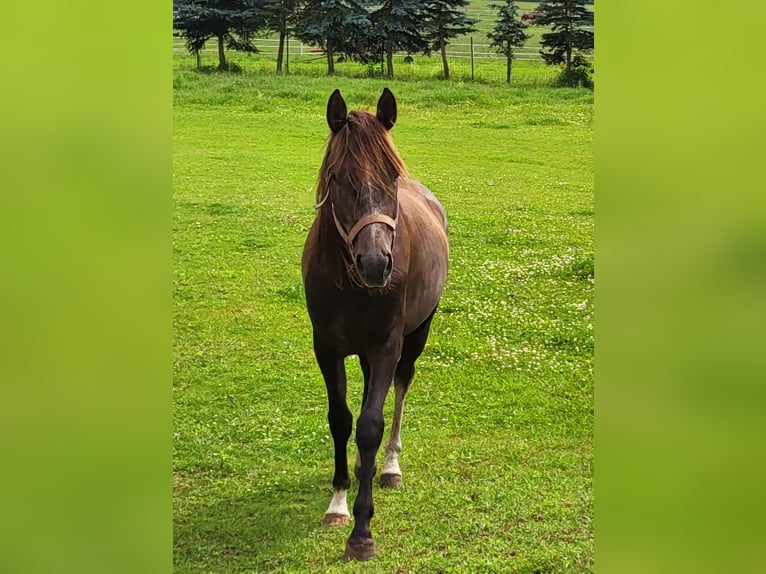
[{"x": 471, "y": 58}]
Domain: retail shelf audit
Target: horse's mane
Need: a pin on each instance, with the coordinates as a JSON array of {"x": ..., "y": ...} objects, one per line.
[{"x": 362, "y": 150}]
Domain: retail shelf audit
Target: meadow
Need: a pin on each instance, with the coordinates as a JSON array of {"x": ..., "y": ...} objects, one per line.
[{"x": 498, "y": 425}]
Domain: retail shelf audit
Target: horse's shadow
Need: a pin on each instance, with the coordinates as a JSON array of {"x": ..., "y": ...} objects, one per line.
[{"x": 253, "y": 527}]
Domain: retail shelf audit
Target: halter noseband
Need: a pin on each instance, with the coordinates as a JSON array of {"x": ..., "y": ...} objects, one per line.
[{"x": 362, "y": 223}]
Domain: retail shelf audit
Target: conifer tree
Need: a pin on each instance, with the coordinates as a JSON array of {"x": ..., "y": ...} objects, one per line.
[
  {"x": 398, "y": 24},
  {"x": 569, "y": 21},
  {"x": 444, "y": 20},
  {"x": 508, "y": 32},
  {"x": 279, "y": 17},
  {"x": 337, "y": 26},
  {"x": 233, "y": 22}
]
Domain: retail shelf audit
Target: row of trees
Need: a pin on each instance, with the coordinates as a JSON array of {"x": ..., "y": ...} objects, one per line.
[{"x": 371, "y": 31}]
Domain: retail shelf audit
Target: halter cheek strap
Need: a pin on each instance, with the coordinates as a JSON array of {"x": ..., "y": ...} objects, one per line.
[{"x": 361, "y": 224}]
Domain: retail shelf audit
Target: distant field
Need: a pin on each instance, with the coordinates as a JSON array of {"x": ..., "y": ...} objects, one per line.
[
  {"x": 480, "y": 10},
  {"x": 498, "y": 428}
]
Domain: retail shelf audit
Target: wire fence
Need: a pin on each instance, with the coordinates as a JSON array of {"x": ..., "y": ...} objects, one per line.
[{"x": 270, "y": 46}]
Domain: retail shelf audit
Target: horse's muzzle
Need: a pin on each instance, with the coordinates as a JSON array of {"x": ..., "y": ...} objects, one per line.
[{"x": 374, "y": 270}]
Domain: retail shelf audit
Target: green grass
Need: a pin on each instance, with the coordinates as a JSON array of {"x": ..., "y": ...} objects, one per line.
[{"x": 498, "y": 437}]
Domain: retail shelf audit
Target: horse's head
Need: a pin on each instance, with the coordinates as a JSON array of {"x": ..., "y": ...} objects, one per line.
[{"x": 362, "y": 170}]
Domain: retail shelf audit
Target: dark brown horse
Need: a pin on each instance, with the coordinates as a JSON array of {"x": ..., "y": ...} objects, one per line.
[{"x": 374, "y": 267}]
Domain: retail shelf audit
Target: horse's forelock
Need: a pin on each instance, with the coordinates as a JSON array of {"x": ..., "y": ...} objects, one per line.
[{"x": 364, "y": 151}]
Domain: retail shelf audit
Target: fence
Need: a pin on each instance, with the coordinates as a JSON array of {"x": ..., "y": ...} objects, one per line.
[{"x": 269, "y": 46}]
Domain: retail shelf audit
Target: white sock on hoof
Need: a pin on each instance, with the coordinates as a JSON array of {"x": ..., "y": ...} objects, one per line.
[{"x": 338, "y": 503}]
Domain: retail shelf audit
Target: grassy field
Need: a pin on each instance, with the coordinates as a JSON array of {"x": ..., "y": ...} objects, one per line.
[{"x": 498, "y": 428}]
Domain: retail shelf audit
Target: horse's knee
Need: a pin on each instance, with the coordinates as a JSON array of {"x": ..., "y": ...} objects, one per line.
[
  {"x": 369, "y": 432},
  {"x": 340, "y": 421}
]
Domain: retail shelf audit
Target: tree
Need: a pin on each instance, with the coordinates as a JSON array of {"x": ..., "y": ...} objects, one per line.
[
  {"x": 397, "y": 23},
  {"x": 279, "y": 17},
  {"x": 337, "y": 26},
  {"x": 508, "y": 32},
  {"x": 569, "y": 38},
  {"x": 233, "y": 22},
  {"x": 445, "y": 19}
]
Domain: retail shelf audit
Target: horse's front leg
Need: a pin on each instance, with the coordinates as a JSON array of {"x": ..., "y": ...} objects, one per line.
[
  {"x": 369, "y": 434},
  {"x": 340, "y": 420}
]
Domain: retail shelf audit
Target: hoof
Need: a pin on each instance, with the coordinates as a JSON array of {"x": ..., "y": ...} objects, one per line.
[
  {"x": 361, "y": 550},
  {"x": 333, "y": 519},
  {"x": 390, "y": 480}
]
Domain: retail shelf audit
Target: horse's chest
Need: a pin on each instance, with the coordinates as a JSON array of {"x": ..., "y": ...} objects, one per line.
[{"x": 351, "y": 325}]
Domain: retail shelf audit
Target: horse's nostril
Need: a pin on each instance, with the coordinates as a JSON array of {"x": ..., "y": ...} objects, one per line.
[{"x": 374, "y": 269}]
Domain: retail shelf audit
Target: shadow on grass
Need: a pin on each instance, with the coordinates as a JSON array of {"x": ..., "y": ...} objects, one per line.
[{"x": 219, "y": 528}]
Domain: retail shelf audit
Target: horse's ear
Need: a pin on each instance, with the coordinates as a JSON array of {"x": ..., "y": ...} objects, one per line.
[
  {"x": 387, "y": 109},
  {"x": 336, "y": 112}
]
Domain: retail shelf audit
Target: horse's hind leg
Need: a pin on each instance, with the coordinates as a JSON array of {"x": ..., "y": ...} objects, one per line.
[
  {"x": 340, "y": 421},
  {"x": 414, "y": 343}
]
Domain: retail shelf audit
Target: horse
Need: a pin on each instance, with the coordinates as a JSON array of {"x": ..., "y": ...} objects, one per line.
[
  {"x": 531, "y": 16},
  {"x": 374, "y": 267}
]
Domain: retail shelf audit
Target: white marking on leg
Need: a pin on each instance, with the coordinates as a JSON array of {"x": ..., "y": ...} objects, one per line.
[
  {"x": 338, "y": 503},
  {"x": 394, "y": 446}
]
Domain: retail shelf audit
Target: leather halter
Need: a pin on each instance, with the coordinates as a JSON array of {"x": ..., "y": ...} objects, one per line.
[{"x": 361, "y": 223}]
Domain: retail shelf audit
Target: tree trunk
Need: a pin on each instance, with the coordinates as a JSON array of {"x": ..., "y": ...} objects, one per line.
[
  {"x": 280, "y": 51},
  {"x": 330, "y": 61},
  {"x": 221, "y": 55},
  {"x": 508, "y": 69},
  {"x": 199, "y": 59},
  {"x": 569, "y": 37},
  {"x": 444, "y": 59},
  {"x": 390, "y": 61}
]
